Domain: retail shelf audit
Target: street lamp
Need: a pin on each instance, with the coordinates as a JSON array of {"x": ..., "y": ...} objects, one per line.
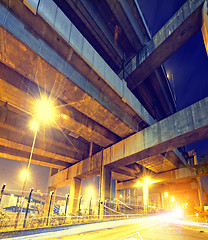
[
  {"x": 166, "y": 194},
  {"x": 44, "y": 112}
]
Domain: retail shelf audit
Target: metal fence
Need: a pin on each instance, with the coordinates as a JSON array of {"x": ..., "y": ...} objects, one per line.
[{"x": 31, "y": 211}]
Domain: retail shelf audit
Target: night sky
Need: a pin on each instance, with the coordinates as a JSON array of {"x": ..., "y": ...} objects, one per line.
[{"x": 188, "y": 66}]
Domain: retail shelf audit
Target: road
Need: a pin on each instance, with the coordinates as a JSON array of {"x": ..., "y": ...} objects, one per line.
[{"x": 146, "y": 228}]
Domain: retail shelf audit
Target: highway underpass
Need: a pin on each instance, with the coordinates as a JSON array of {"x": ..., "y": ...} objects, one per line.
[{"x": 116, "y": 117}]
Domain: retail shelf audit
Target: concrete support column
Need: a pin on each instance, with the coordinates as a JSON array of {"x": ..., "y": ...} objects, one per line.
[
  {"x": 200, "y": 192},
  {"x": 132, "y": 196},
  {"x": 118, "y": 197},
  {"x": 137, "y": 200},
  {"x": 159, "y": 201},
  {"x": 137, "y": 196},
  {"x": 105, "y": 187},
  {"x": 74, "y": 197},
  {"x": 145, "y": 197},
  {"x": 126, "y": 196}
]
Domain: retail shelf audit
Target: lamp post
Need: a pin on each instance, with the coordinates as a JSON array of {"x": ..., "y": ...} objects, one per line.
[
  {"x": 25, "y": 180},
  {"x": 44, "y": 112}
]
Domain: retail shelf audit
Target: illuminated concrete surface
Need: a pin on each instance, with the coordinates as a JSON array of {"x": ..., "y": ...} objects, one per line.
[{"x": 183, "y": 127}]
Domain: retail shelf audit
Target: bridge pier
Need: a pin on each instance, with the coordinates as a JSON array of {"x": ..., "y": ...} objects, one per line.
[
  {"x": 126, "y": 195},
  {"x": 159, "y": 201},
  {"x": 199, "y": 185},
  {"x": 75, "y": 191},
  {"x": 105, "y": 188},
  {"x": 118, "y": 197}
]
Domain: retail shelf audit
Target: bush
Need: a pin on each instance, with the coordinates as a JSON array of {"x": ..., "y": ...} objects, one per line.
[
  {"x": 4, "y": 220},
  {"x": 34, "y": 220}
]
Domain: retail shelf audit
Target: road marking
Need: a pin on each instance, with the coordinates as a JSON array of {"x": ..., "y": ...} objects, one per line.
[
  {"x": 127, "y": 237},
  {"x": 140, "y": 236}
]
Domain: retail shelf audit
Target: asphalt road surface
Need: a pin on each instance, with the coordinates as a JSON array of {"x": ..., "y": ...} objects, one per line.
[{"x": 146, "y": 228}]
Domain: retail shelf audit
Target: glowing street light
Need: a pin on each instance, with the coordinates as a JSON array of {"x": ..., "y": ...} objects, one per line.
[
  {"x": 165, "y": 194},
  {"x": 23, "y": 174},
  {"x": 44, "y": 110}
]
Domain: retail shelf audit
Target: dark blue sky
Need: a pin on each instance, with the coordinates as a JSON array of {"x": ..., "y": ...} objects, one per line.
[{"x": 188, "y": 66}]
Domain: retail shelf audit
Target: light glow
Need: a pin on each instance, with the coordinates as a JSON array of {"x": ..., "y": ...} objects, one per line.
[
  {"x": 147, "y": 181},
  {"x": 34, "y": 125},
  {"x": 90, "y": 192},
  {"x": 166, "y": 194},
  {"x": 44, "y": 110},
  {"x": 177, "y": 213},
  {"x": 24, "y": 174}
]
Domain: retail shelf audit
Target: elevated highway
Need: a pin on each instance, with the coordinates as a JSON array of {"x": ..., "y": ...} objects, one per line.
[{"x": 116, "y": 112}]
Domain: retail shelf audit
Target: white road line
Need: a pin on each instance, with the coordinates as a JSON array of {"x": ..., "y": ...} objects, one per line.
[
  {"x": 127, "y": 237},
  {"x": 140, "y": 236}
]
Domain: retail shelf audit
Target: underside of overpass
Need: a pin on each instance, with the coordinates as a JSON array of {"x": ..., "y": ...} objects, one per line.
[{"x": 117, "y": 117}]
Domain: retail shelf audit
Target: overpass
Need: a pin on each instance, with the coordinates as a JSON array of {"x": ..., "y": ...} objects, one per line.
[{"x": 117, "y": 116}]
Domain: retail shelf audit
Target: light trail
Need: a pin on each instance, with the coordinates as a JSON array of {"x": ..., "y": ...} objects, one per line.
[{"x": 79, "y": 229}]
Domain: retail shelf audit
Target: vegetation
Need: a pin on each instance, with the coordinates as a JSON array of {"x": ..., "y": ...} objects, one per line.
[{"x": 4, "y": 220}]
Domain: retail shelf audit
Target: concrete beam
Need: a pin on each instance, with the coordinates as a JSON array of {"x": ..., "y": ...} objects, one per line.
[
  {"x": 101, "y": 32},
  {"x": 75, "y": 50},
  {"x": 38, "y": 70},
  {"x": 22, "y": 156},
  {"x": 73, "y": 120},
  {"x": 121, "y": 176},
  {"x": 184, "y": 127},
  {"x": 164, "y": 162},
  {"x": 177, "y": 31},
  {"x": 180, "y": 157},
  {"x": 126, "y": 171},
  {"x": 174, "y": 187},
  {"x": 17, "y": 137},
  {"x": 15, "y": 128},
  {"x": 128, "y": 22},
  {"x": 41, "y": 152},
  {"x": 172, "y": 176},
  {"x": 159, "y": 163}
]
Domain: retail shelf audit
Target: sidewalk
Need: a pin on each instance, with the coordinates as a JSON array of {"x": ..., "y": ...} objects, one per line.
[{"x": 197, "y": 226}]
